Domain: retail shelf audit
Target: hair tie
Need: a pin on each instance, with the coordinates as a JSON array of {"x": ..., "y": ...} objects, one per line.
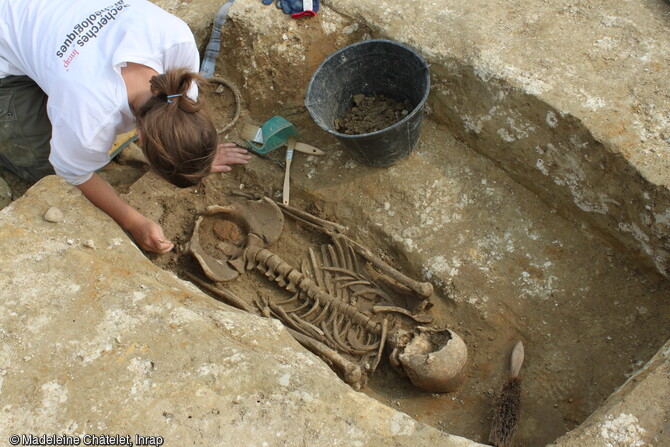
[{"x": 173, "y": 96}]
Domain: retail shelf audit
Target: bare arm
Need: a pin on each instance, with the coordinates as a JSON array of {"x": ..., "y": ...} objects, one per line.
[{"x": 147, "y": 233}]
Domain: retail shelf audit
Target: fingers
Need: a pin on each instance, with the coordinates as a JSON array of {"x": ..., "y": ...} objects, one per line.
[
  {"x": 149, "y": 236},
  {"x": 233, "y": 159},
  {"x": 221, "y": 168},
  {"x": 237, "y": 155},
  {"x": 229, "y": 154},
  {"x": 160, "y": 246},
  {"x": 163, "y": 246},
  {"x": 232, "y": 149}
]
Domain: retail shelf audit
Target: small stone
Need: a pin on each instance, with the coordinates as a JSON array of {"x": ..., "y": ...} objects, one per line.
[
  {"x": 89, "y": 244},
  {"x": 350, "y": 29},
  {"x": 54, "y": 215}
]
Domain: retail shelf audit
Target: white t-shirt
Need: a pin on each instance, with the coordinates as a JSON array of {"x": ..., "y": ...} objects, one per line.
[{"x": 74, "y": 51}]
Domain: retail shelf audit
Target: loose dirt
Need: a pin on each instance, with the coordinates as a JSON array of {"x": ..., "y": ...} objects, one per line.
[
  {"x": 217, "y": 235},
  {"x": 371, "y": 114}
]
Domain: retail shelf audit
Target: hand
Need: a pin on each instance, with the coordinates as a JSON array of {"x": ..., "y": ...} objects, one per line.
[
  {"x": 228, "y": 154},
  {"x": 147, "y": 233},
  {"x": 149, "y": 236}
]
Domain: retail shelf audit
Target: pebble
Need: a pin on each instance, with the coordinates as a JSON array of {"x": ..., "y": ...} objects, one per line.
[
  {"x": 89, "y": 244},
  {"x": 54, "y": 215},
  {"x": 350, "y": 29}
]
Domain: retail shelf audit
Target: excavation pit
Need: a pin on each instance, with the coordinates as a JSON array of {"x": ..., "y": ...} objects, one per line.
[
  {"x": 557, "y": 239},
  {"x": 505, "y": 267}
]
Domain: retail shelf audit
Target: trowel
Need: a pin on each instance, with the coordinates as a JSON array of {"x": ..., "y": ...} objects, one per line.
[{"x": 273, "y": 134}]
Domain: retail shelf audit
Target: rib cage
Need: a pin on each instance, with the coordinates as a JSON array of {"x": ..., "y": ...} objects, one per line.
[{"x": 328, "y": 289}]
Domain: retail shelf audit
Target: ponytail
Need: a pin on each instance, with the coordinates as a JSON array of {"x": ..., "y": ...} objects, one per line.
[{"x": 179, "y": 138}]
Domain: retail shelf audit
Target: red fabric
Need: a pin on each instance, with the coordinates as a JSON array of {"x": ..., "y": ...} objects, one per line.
[{"x": 298, "y": 15}]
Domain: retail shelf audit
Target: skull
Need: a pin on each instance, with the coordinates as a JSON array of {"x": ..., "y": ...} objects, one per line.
[{"x": 434, "y": 360}]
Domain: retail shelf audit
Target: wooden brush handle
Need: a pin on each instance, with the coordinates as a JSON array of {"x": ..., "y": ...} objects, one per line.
[
  {"x": 287, "y": 173},
  {"x": 308, "y": 149},
  {"x": 287, "y": 181},
  {"x": 517, "y": 359}
]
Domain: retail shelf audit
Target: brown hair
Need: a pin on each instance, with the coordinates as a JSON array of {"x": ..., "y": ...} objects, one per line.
[{"x": 178, "y": 137}]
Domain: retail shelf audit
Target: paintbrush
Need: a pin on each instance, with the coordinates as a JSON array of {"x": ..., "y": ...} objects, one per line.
[
  {"x": 506, "y": 413},
  {"x": 254, "y": 133},
  {"x": 287, "y": 173}
]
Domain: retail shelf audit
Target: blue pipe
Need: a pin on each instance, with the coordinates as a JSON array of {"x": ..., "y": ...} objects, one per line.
[{"x": 214, "y": 45}]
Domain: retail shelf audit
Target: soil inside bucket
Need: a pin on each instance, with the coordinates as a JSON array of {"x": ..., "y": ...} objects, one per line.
[{"x": 371, "y": 114}]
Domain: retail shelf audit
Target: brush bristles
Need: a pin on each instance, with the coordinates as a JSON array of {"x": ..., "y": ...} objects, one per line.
[
  {"x": 506, "y": 415},
  {"x": 249, "y": 132}
]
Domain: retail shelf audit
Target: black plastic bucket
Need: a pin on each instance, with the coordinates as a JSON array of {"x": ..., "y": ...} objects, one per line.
[{"x": 371, "y": 67}]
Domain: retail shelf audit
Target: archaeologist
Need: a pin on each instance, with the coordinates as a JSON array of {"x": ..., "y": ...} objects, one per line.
[{"x": 75, "y": 75}]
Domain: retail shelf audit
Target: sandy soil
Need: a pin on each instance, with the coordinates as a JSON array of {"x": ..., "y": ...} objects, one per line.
[{"x": 505, "y": 268}]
